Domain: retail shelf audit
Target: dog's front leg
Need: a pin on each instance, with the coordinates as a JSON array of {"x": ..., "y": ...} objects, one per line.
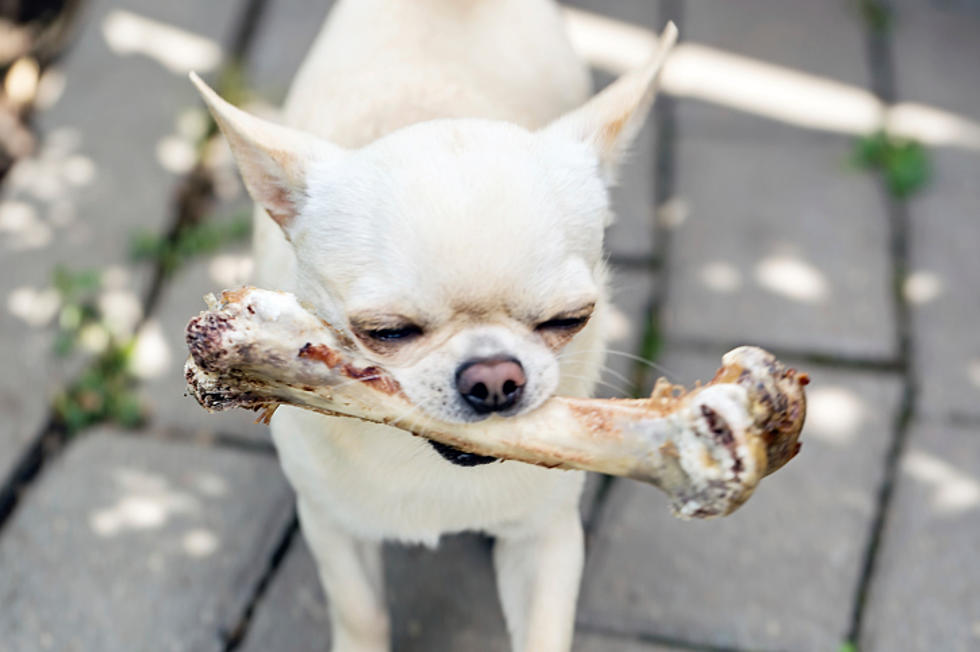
[
  {"x": 538, "y": 579},
  {"x": 352, "y": 574}
]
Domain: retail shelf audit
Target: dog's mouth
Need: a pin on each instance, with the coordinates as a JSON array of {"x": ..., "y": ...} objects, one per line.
[{"x": 460, "y": 458}]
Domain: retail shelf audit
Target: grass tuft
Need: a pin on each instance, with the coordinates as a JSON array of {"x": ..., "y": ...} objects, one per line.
[
  {"x": 191, "y": 241},
  {"x": 904, "y": 164},
  {"x": 105, "y": 389}
]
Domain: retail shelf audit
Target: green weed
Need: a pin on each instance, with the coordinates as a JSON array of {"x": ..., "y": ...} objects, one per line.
[
  {"x": 104, "y": 390},
  {"x": 191, "y": 241},
  {"x": 904, "y": 164},
  {"x": 876, "y": 15}
]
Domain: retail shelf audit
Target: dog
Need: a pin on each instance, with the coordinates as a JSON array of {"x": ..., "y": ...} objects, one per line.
[{"x": 439, "y": 196}]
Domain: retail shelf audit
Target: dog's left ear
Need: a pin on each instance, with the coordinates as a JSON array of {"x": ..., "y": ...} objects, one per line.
[
  {"x": 610, "y": 121},
  {"x": 274, "y": 160}
]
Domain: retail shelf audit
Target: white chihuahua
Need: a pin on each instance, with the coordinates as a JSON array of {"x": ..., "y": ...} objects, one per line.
[{"x": 443, "y": 207}]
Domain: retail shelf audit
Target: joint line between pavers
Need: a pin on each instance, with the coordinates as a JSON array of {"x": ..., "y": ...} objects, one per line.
[
  {"x": 586, "y": 625},
  {"x": 881, "y": 61},
  {"x": 233, "y": 638},
  {"x": 655, "y": 263}
]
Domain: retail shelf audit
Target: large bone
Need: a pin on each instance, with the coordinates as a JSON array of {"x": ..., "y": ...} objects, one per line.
[{"x": 706, "y": 448}]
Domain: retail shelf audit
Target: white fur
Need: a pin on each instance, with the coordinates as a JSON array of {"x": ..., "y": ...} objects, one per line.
[{"x": 439, "y": 194}]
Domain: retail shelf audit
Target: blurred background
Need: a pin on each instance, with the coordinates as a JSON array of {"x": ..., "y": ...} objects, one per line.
[{"x": 809, "y": 182}]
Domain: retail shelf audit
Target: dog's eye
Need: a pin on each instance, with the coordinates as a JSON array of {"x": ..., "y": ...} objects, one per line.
[
  {"x": 563, "y": 323},
  {"x": 400, "y": 333}
]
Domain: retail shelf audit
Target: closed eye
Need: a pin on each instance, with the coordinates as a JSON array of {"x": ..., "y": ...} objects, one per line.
[
  {"x": 401, "y": 333},
  {"x": 563, "y": 323}
]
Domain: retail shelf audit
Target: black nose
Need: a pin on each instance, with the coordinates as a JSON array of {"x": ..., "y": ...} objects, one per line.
[{"x": 491, "y": 384}]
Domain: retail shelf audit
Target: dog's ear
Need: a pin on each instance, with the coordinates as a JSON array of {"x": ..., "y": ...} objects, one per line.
[
  {"x": 274, "y": 160},
  {"x": 610, "y": 121}
]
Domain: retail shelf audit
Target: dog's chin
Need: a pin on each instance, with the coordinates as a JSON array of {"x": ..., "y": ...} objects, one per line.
[{"x": 462, "y": 458}]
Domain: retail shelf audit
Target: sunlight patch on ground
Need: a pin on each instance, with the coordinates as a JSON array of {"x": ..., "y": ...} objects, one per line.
[
  {"x": 22, "y": 228},
  {"x": 973, "y": 372},
  {"x": 148, "y": 502},
  {"x": 834, "y": 414},
  {"x": 953, "y": 490},
  {"x": 721, "y": 276},
  {"x": 175, "y": 154},
  {"x": 673, "y": 212},
  {"x": 33, "y": 306},
  {"x": 93, "y": 338},
  {"x": 770, "y": 90},
  {"x": 200, "y": 542},
  {"x": 151, "y": 356},
  {"x": 192, "y": 124},
  {"x": 121, "y": 310},
  {"x": 763, "y": 88},
  {"x": 932, "y": 126},
  {"x": 211, "y": 485},
  {"x": 42, "y": 190},
  {"x": 922, "y": 286},
  {"x": 792, "y": 277},
  {"x": 176, "y": 49}
]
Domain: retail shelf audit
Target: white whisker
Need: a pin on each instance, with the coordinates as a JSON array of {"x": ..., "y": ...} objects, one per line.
[
  {"x": 615, "y": 388},
  {"x": 653, "y": 365}
]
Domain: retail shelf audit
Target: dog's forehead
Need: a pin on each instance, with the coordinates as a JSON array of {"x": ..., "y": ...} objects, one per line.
[
  {"x": 468, "y": 211},
  {"x": 447, "y": 183},
  {"x": 430, "y": 292}
]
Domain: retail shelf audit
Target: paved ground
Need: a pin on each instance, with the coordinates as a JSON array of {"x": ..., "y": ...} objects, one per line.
[{"x": 734, "y": 227}]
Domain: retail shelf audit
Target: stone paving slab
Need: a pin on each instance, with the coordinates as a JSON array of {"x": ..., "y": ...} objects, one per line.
[
  {"x": 823, "y": 42},
  {"x": 926, "y": 591},
  {"x": 281, "y": 42},
  {"x": 782, "y": 245},
  {"x": 819, "y": 38},
  {"x": 117, "y": 129},
  {"x": 591, "y": 642},
  {"x": 779, "y": 574},
  {"x": 128, "y": 539},
  {"x": 95, "y": 178},
  {"x": 943, "y": 286},
  {"x": 440, "y": 601},
  {"x": 633, "y": 199},
  {"x": 935, "y": 53},
  {"x": 292, "y": 614},
  {"x": 637, "y": 12}
]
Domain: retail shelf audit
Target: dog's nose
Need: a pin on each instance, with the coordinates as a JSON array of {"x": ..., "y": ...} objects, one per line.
[{"x": 491, "y": 384}]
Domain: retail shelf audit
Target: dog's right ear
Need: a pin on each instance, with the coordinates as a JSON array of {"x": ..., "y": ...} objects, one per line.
[{"x": 274, "y": 160}]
